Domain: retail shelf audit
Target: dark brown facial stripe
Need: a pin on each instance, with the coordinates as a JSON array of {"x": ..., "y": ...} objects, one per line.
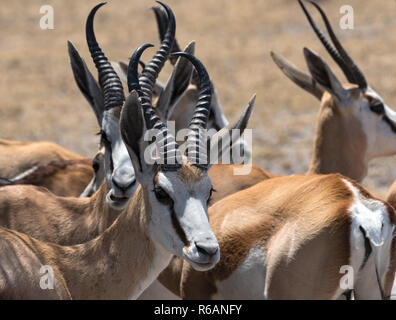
[
  {"x": 390, "y": 122},
  {"x": 178, "y": 228}
]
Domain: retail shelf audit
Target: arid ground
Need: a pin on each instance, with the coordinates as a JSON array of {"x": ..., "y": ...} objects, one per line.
[{"x": 40, "y": 101}]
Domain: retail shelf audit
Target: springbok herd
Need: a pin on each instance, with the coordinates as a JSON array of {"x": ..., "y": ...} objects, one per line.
[{"x": 122, "y": 227}]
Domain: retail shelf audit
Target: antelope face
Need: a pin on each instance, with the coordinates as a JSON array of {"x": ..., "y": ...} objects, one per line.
[
  {"x": 120, "y": 174},
  {"x": 179, "y": 218}
]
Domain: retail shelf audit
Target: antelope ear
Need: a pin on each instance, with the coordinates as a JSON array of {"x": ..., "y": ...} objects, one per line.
[
  {"x": 133, "y": 130},
  {"x": 223, "y": 141},
  {"x": 299, "y": 77},
  {"x": 321, "y": 73},
  {"x": 86, "y": 82},
  {"x": 176, "y": 84},
  {"x": 162, "y": 24}
]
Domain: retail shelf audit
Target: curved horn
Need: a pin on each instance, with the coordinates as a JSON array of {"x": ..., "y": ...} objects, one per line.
[
  {"x": 168, "y": 148},
  {"x": 357, "y": 74},
  {"x": 333, "y": 53},
  {"x": 196, "y": 143},
  {"x": 109, "y": 81},
  {"x": 162, "y": 24},
  {"x": 152, "y": 69}
]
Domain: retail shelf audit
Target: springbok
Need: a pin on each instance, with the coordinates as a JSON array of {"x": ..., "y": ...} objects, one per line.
[
  {"x": 354, "y": 124},
  {"x": 19, "y": 156},
  {"x": 289, "y": 238},
  {"x": 45, "y": 216},
  {"x": 167, "y": 215},
  {"x": 44, "y": 164},
  {"x": 178, "y": 95},
  {"x": 341, "y": 135},
  {"x": 67, "y": 178}
]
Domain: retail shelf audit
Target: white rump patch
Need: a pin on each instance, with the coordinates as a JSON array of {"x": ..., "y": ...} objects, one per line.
[{"x": 372, "y": 216}]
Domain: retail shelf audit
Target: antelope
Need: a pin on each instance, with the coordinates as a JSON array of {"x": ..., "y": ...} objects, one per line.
[
  {"x": 41, "y": 214},
  {"x": 45, "y": 164},
  {"x": 83, "y": 219},
  {"x": 19, "y": 156},
  {"x": 63, "y": 178},
  {"x": 354, "y": 124},
  {"x": 288, "y": 237},
  {"x": 344, "y": 112},
  {"x": 167, "y": 214}
]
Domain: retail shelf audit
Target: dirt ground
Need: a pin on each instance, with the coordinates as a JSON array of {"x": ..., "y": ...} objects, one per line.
[{"x": 40, "y": 101}]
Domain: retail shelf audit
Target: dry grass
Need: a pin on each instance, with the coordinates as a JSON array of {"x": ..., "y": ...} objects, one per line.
[{"x": 40, "y": 100}]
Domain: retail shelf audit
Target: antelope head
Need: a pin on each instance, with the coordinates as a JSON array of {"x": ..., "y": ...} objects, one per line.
[
  {"x": 106, "y": 99},
  {"x": 356, "y": 101},
  {"x": 176, "y": 187}
]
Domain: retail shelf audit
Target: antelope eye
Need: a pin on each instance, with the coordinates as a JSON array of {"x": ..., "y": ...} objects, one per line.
[
  {"x": 104, "y": 138},
  {"x": 210, "y": 194},
  {"x": 95, "y": 166},
  {"x": 377, "y": 108},
  {"x": 162, "y": 196}
]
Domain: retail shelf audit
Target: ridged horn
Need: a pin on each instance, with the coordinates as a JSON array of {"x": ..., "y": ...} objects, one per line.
[
  {"x": 150, "y": 73},
  {"x": 162, "y": 24},
  {"x": 360, "y": 80},
  {"x": 330, "y": 49},
  {"x": 196, "y": 139},
  {"x": 168, "y": 148},
  {"x": 109, "y": 81}
]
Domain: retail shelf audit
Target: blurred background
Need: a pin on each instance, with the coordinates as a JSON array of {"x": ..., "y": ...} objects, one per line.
[{"x": 40, "y": 100}]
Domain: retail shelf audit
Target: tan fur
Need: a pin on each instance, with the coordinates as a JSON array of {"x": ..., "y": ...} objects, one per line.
[
  {"x": 224, "y": 183},
  {"x": 39, "y": 213},
  {"x": 339, "y": 142},
  {"x": 391, "y": 196},
  {"x": 190, "y": 173},
  {"x": 53, "y": 167},
  {"x": 108, "y": 267},
  {"x": 67, "y": 178},
  {"x": 18, "y": 156},
  {"x": 304, "y": 229}
]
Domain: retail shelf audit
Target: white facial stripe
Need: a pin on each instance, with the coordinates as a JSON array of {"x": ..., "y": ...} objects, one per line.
[
  {"x": 390, "y": 113},
  {"x": 120, "y": 176}
]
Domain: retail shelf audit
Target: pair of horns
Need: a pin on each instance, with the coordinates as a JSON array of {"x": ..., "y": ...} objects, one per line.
[
  {"x": 339, "y": 54},
  {"x": 114, "y": 95},
  {"x": 196, "y": 143}
]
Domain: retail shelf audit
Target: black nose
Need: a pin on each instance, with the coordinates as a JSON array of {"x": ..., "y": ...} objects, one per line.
[
  {"x": 207, "y": 248},
  {"x": 123, "y": 187}
]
